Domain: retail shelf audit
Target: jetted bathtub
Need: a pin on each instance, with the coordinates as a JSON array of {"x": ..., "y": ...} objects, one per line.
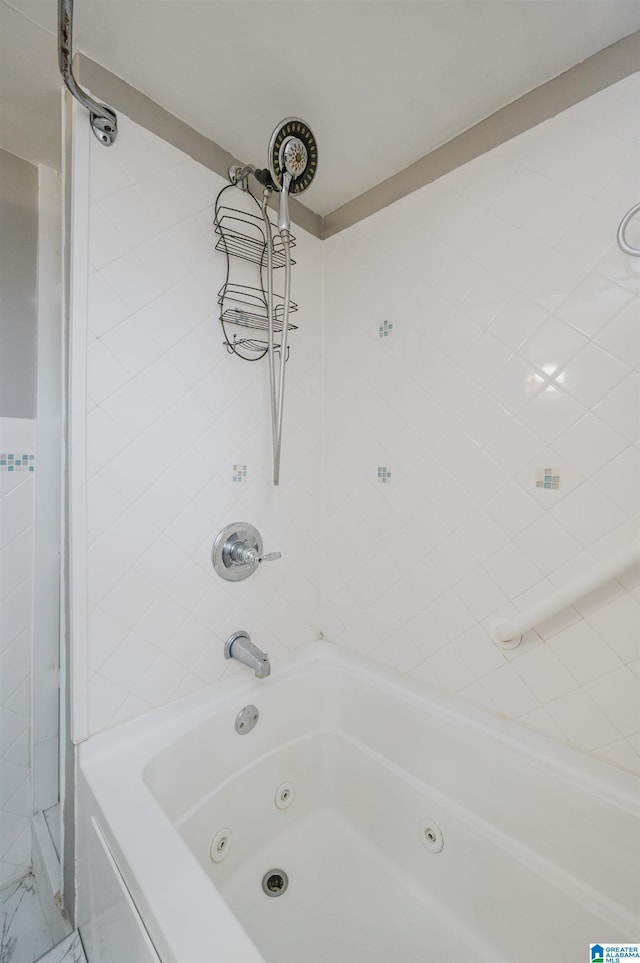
[{"x": 363, "y": 818}]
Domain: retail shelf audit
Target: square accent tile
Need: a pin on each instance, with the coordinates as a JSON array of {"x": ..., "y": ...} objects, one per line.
[
  {"x": 548, "y": 478},
  {"x": 385, "y": 329},
  {"x": 12, "y": 462},
  {"x": 384, "y": 474},
  {"x": 239, "y": 473}
]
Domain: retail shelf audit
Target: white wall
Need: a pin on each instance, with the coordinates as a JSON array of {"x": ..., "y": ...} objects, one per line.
[
  {"x": 514, "y": 347},
  {"x": 18, "y": 284},
  {"x": 18, "y": 341},
  {"x": 29, "y": 506},
  {"x": 170, "y": 413},
  {"x": 17, "y": 477}
]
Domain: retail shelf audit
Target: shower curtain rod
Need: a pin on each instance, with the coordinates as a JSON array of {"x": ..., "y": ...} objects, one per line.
[{"x": 104, "y": 122}]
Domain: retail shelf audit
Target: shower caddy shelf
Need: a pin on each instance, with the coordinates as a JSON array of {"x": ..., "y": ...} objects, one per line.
[
  {"x": 241, "y": 235},
  {"x": 253, "y": 312}
]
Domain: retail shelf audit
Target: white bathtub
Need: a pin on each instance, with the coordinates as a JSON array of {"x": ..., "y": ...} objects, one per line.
[{"x": 541, "y": 849}]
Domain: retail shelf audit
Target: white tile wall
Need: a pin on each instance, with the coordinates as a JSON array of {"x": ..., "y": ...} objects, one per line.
[
  {"x": 513, "y": 348},
  {"x": 170, "y": 413},
  {"x": 515, "y": 345},
  {"x": 17, "y": 436}
]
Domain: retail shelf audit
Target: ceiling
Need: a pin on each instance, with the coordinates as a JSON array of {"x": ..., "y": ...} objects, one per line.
[{"x": 381, "y": 82}]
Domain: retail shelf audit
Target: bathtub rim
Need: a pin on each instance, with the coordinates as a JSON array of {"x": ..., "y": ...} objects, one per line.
[
  {"x": 146, "y": 736},
  {"x": 111, "y": 775}
]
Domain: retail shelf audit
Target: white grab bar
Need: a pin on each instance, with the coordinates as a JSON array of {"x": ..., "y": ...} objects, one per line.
[
  {"x": 509, "y": 632},
  {"x": 623, "y": 244}
]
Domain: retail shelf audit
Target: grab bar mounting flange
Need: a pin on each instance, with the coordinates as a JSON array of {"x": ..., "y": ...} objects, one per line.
[{"x": 104, "y": 122}]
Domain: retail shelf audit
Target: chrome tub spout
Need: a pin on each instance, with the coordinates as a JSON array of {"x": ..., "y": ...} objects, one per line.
[{"x": 239, "y": 646}]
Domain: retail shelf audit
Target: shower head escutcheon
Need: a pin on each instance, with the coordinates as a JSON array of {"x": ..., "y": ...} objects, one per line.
[{"x": 293, "y": 162}]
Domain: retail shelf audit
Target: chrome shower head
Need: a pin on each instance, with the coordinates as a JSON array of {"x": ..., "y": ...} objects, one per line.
[
  {"x": 293, "y": 161},
  {"x": 293, "y": 150}
]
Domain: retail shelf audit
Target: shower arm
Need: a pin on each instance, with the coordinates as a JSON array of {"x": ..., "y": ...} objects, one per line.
[
  {"x": 239, "y": 176},
  {"x": 104, "y": 122}
]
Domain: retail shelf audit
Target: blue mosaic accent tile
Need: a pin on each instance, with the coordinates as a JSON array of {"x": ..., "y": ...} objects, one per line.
[
  {"x": 384, "y": 474},
  {"x": 385, "y": 329},
  {"x": 12, "y": 462},
  {"x": 239, "y": 473},
  {"x": 548, "y": 478}
]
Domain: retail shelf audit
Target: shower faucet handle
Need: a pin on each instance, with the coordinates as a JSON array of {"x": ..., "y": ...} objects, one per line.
[
  {"x": 237, "y": 552},
  {"x": 243, "y": 554}
]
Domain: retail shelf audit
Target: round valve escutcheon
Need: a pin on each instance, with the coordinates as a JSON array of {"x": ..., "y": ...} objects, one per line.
[{"x": 237, "y": 552}]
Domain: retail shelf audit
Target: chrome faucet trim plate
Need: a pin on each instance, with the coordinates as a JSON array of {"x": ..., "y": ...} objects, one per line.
[{"x": 237, "y": 552}]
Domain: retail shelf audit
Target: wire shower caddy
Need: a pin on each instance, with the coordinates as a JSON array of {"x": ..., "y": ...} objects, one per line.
[{"x": 244, "y": 307}]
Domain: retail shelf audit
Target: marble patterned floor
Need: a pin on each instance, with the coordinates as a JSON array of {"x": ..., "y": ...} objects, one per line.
[{"x": 25, "y": 936}]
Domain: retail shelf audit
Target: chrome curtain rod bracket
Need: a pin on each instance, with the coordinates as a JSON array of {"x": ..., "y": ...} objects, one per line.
[{"x": 104, "y": 122}]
